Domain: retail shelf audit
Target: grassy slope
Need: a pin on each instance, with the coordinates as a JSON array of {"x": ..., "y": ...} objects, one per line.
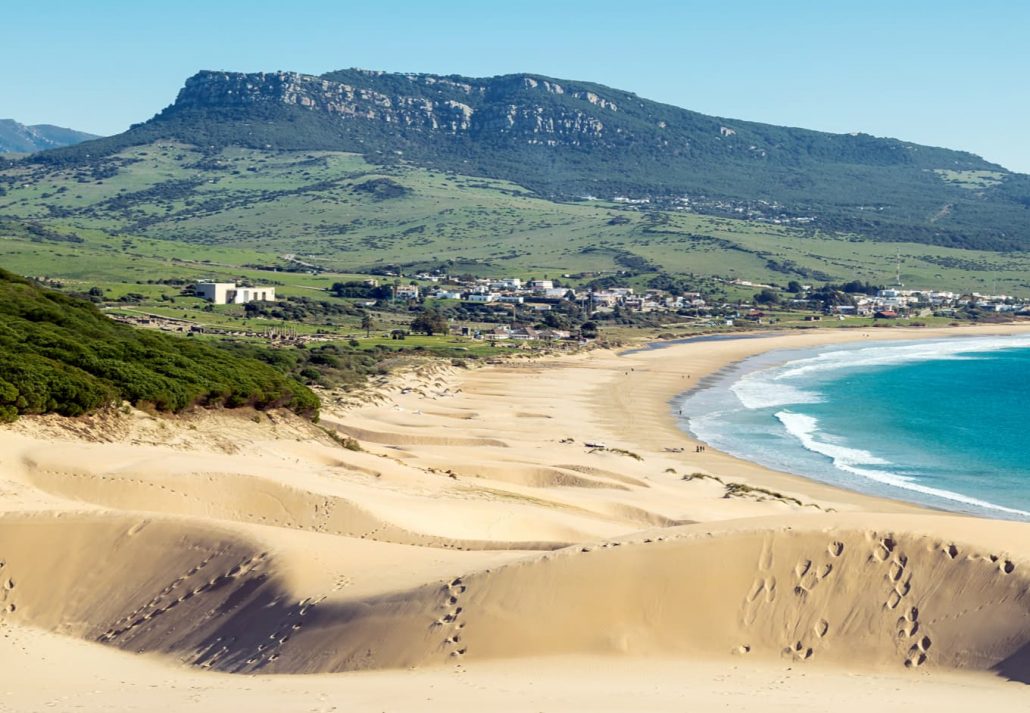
[{"x": 167, "y": 211}]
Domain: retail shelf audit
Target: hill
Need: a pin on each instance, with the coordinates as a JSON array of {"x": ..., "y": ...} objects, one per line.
[
  {"x": 58, "y": 354},
  {"x": 566, "y": 140},
  {"x": 170, "y": 211},
  {"x": 19, "y": 138}
]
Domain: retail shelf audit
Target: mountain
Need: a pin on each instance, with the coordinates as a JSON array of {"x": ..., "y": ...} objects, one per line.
[
  {"x": 567, "y": 139},
  {"x": 18, "y": 138}
]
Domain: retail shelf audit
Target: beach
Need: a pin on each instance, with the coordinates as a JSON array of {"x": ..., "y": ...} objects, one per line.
[{"x": 489, "y": 538}]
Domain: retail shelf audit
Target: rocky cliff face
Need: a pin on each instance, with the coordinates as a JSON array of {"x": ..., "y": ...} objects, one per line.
[{"x": 514, "y": 104}]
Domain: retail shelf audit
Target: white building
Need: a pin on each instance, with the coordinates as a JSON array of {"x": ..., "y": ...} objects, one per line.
[
  {"x": 406, "y": 292},
  {"x": 507, "y": 283},
  {"x": 227, "y": 293}
]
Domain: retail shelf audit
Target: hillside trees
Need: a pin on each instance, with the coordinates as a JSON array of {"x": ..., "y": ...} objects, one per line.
[
  {"x": 429, "y": 322},
  {"x": 58, "y": 354}
]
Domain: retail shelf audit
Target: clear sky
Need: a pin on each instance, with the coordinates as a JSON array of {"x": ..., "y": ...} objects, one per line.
[{"x": 948, "y": 72}]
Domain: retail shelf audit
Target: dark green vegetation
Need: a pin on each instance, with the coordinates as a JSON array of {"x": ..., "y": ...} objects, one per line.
[
  {"x": 58, "y": 354},
  {"x": 18, "y": 138},
  {"x": 568, "y": 139}
]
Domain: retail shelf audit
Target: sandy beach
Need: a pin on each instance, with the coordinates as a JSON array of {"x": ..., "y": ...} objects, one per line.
[{"x": 471, "y": 550}]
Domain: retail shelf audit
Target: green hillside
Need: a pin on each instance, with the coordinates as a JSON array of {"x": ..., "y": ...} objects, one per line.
[
  {"x": 58, "y": 354},
  {"x": 566, "y": 139},
  {"x": 175, "y": 212}
]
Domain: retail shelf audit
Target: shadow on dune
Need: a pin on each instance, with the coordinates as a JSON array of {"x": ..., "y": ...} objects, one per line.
[
  {"x": 1017, "y": 666},
  {"x": 813, "y": 591}
]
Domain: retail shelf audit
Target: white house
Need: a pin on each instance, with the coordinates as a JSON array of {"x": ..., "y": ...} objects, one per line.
[
  {"x": 406, "y": 292},
  {"x": 227, "y": 293},
  {"x": 507, "y": 283}
]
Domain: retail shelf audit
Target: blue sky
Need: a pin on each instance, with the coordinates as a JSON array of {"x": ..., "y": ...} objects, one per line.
[{"x": 945, "y": 73}]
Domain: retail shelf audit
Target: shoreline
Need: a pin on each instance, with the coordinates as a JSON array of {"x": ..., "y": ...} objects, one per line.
[{"x": 727, "y": 352}]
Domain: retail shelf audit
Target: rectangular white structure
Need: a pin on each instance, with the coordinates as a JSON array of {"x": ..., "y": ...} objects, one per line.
[{"x": 225, "y": 293}]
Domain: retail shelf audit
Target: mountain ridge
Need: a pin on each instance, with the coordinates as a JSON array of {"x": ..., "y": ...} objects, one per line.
[
  {"x": 16, "y": 137},
  {"x": 566, "y": 139}
]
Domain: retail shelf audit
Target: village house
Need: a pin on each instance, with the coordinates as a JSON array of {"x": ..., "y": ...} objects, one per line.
[
  {"x": 228, "y": 293},
  {"x": 406, "y": 292},
  {"x": 482, "y": 298}
]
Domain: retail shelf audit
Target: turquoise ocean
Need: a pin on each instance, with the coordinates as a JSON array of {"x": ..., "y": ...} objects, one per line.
[{"x": 943, "y": 423}]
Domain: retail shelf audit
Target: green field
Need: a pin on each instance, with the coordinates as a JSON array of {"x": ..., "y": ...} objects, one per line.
[{"x": 167, "y": 211}]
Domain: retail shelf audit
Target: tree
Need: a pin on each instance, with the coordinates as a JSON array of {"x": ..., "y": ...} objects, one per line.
[
  {"x": 794, "y": 287},
  {"x": 588, "y": 330},
  {"x": 367, "y": 323},
  {"x": 429, "y": 322},
  {"x": 766, "y": 297}
]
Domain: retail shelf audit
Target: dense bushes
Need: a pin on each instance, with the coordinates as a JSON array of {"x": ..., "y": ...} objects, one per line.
[{"x": 58, "y": 354}]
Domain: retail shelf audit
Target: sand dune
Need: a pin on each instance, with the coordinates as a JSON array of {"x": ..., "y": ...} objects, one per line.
[
  {"x": 860, "y": 591},
  {"x": 476, "y": 528}
]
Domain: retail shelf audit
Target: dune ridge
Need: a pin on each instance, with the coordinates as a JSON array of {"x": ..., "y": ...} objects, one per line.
[{"x": 513, "y": 513}]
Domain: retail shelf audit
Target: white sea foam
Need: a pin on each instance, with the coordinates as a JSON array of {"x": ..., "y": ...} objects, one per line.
[
  {"x": 763, "y": 389},
  {"x": 776, "y": 386},
  {"x": 852, "y": 460},
  {"x": 895, "y": 354}
]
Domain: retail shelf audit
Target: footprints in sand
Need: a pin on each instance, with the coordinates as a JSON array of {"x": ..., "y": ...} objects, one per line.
[
  {"x": 884, "y": 549},
  {"x": 899, "y": 580},
  {"x": 166, "y": 599},
  {"x": 809, "y": 575},
  {"x": 900, "y": 584},
  {"x": 908, "y": 630},
  {"x": 913, "y": 641},
  {"x": 801, "y": 619},
  {"x": 799, "y": 651},
  {"x": 451, "y": 619},
  {"x": 270, "y": 650},
  {"x": 763, "y": 589},
  {"x": 6, "y": 591},
  {"x": 762, "y": 586},
  {"x": 821, "y": 628}
]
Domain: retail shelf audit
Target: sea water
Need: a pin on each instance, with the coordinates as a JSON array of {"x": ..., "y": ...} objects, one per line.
[{"x": 942, "y": 423}]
